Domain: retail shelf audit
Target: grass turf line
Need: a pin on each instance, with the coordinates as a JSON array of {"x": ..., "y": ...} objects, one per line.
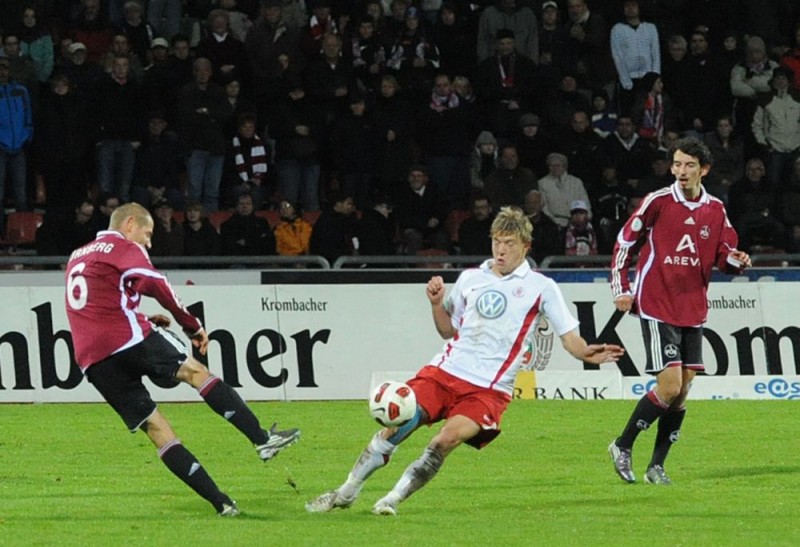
[{"x": 71, "y": 475}]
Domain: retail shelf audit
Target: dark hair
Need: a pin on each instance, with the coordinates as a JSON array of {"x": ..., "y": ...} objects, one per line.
[{"x": 694, "y": 147}]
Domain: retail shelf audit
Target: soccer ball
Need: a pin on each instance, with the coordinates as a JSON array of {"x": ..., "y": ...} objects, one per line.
[{"x": 392, "y": 404}]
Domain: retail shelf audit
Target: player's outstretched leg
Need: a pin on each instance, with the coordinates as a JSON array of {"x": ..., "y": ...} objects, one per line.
[
  {"x": 375, "y": 455},
  {"x": 416, "y": 475},
  {"x": 224, "y": 400},
  {"x": 185, "y": 466},
  {"x": 648, "y": 410},
  {"x": 669, "y": 431}
]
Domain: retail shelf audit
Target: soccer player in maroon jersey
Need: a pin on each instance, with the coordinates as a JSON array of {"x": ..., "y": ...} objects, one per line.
[
  {"x": 680, "y": 233},
  {"x": 116, "y": 345}
]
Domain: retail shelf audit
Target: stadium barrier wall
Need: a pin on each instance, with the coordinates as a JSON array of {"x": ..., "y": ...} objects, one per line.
[{"x": 317, "y": 341}]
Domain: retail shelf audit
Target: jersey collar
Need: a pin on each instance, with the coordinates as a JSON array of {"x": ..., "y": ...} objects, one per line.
[
  {"x": 678, "y": 196},
  {"x": 521, "y": 271}
]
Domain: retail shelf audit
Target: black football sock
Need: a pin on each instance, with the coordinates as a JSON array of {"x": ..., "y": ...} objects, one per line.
[
  {"x": 185, "y": 466},
  {"x": 224, "y": 400},
  {"x": 669, "y": 431},
  {"x": 647, "y": 411}
]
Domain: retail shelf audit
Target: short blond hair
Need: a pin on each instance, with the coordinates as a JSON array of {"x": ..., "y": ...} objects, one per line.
[
  {"x": 132, "y": 209},
  {"x": 511, "y": 221}
]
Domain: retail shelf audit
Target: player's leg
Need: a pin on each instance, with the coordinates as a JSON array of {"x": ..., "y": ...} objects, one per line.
[
  {"x": 374, "y": 456},
  {"x": 184, "y": 465},
  {"x": 224, "y": 400},
  {"x": 455, "y": 431}
]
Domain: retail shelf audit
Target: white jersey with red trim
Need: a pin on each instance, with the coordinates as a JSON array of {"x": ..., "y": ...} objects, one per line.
[
  {"x": 678, "y": 241},
  {"x": 105, "y": 283},
  {"x": 494, "y": 317}
]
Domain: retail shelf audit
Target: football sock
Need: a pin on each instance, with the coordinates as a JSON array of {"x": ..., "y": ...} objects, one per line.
[
  {"x": 374, "y": 456},
  {"x": 669, "y": 431},
  {"x": 418, "y": 474},
  {"x": 185, "y": 466},
  {"x": 647, "y": 411},
  {"x": 224, "y": 400}
]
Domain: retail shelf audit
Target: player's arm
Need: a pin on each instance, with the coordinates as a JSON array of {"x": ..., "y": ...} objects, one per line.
[
  {"x": 590, "y": 353},
  {"x": 441, "y": 317},
  {"x": 629, "y": 240},
  {"x": 730, "y": 259}
]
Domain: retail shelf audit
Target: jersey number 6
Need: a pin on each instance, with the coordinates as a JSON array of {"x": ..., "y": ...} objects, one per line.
[{"x": 77, "y": 289}]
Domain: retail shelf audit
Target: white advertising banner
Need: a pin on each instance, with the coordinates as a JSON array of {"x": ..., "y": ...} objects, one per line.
[{"x": 311, "y": 342}]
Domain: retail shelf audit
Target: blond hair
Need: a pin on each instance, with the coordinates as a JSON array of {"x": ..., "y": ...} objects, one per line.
[
  {"x": 511, "y": 221},
  {"x": 132, "y": 209}
]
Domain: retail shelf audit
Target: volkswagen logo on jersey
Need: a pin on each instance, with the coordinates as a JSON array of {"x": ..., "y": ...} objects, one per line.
[{"x": 491, "y": 304}]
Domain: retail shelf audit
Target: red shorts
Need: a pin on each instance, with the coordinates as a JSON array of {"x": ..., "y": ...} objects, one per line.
[{"x": 442, "y": 395}]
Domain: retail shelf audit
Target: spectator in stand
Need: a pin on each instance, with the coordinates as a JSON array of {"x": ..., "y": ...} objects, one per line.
[
  {"x": 421, "y": 210},
  {"x": 583, "y": 148},
  {"x": 510, "y": 15},
  {"x": 246, "y": 163},
  {"x": 776, "y": 127},
  {"x": 16, "y": 131},
  {"x": 157, "y": 166},
  {"x": 106, "y": 204},
  {"x": 653, "y": 110},
  {"x": 119, "y": 114},
  {"x": 240, "y": 22},
  {"x": 335, "y": 228},
  {"x": 202, "y": 115},
  {"x": 200, "y": 236},
  {"x": 62, "y": 147},
  {"x": 750, "y": 84},
  {"x": 551, "y": 37},
  {"x": 586, "y": 52},
  {"x": 93, "y": 30},
  {"x": 353, "y": 145},
  {"x": 474, "y": 237},
  {"x": 164, "y": 16},
  {"x": 157, "y": 95},
  {"x": 293, "y": 12},
  {"x": 443, "y": 133},
  {"x": 510, "y": 182},
  {"x": 752, "y": 194},
  {"x": 533, "y": 146},
  {"x": 609, "y": 201},
  {"x": 395, "y": 22},
  {"x": 293, "y": 233},
  {"x": 790, "y": 208},
  {"x": 727, "y": 149},
  {"x": 296, "y": 149},
  {"x": 272, "y": 49},
  {"x": 225, "y": 52},
  {"x": 168, "y": 237},
  {"x": 483, "y": 160},
  {"x": 22, "y": 69},
  {"x": 317, "y": 27},
  {"x": 604, "y": 117},
  {"x": 563, "y": 102},
  {"x": 120, "y": 47},
  {"x": 675, "y": 75},
  {"x": 791, "y": 59},
  {"x": 140, "y": 34},
  {"x": 245, "y": 234},
  {"x": 580, "y": 238},
  {"x": 546, "y": 237},
  {"x": 506, "y": 83},
  {"x": 36, "y": 42},
  {"x": 180, "y": 73},
  {"x": 394, "y": 128},
  {"x": 636, "y": 52},
  {"x": 559, "y": 189},
  {"x": 238, "y": 105},
  {"x": 414, "y": 58},
  {"x": 455, "y": 40},
  {"x": 367, "y": 53},
  {"x": 659, "y": 176},
  {"x": 705, "y": 100},
  {"x": 631, "y": 154},
  {"x": 60, "y": 235},
  {"x": 376, "y": 230}
]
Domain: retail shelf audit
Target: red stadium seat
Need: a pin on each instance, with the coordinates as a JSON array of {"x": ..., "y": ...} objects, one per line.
[
  {"x": 453, "y": 221},
  {"x": 218, "y": 217},
  {"x": 311, "y": 216},
  {"x": 21, "y": 228},
  {"x": 272, "y": 217}
]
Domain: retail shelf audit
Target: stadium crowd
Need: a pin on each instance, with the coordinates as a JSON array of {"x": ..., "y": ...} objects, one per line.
[{"x": 258, "y": 127}]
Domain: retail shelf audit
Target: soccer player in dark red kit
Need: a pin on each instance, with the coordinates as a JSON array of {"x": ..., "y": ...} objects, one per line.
[
  {"x": 680, "y": 233},
  {"x": 116, "y": 345}
]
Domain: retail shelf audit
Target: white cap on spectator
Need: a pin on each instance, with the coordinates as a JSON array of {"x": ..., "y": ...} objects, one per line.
[
  {"x": 550, "y": 4},
  {"x": 76, "y": 46},
  {"x": 159, "y": 42}
]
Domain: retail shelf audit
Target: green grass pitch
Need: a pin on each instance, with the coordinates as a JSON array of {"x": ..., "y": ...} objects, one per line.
[{"x": 72, "y": 475}]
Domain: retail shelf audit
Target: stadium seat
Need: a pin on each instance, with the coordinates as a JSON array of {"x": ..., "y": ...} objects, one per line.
[
  {"x": 21, "y": 228},
  {"x": 272, "y": 217},
  {"x": 218, "y": 217},
  {"x": 311, "y": 216},
  {"x": 453, "y": 221},
  {"x": 179, "y": 216}
]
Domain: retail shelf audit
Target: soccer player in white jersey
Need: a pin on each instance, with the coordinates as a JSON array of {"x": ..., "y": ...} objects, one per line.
[
  {"x": 680, "y": 233},
  {"x": 116, "y": 345},
  {"x": 489, "y": 313}
]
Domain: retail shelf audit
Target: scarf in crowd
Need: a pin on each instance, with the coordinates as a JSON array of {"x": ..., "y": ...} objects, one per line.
[
  {"x": 507, "y": 70},
  {"x": 319, "y": 28},
  {"x": 653, "y": 117},
  {"x": 257, "y": 164},
  {"x": 440, "y": 103}
]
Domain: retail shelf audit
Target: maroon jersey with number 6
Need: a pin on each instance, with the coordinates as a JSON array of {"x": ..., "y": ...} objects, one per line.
[
  {"x": 678, "y": 242},
  {"x": 106, "y": 280}
]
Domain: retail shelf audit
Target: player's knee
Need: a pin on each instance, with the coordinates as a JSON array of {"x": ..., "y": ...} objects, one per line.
[{"x": 193, "y": 372}]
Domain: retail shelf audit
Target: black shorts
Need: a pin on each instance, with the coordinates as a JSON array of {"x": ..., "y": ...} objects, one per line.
[
  {"x": 671, "y": 346},
  {"x": 118, "y": 377}
]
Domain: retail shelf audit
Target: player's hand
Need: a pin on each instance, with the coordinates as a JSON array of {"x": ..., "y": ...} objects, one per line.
[
  {"x": 624, "y": 303},
  {"x": 435, "y": 290},
  {"x": 741, "y": 257},
  {"x": 160, "y": 320},
  {"x": 200, "y": 341},
  {"x": 602, "y": 353}
]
